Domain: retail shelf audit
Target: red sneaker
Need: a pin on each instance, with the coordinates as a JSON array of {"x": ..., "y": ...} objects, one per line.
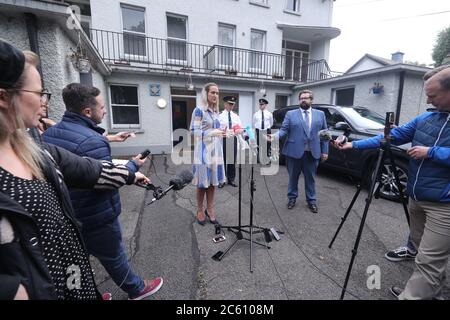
[
  {"x": 107, "y": 296},
  {"x": 151, "y": 286}
]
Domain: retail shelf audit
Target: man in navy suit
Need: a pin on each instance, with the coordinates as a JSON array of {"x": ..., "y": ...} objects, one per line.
[{"x": 303, "y": 148}]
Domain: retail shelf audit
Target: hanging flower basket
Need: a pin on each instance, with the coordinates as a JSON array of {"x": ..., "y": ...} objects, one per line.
[{"x": 377, "y": 88}]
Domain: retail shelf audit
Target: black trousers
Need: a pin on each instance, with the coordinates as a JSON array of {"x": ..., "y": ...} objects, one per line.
[
  {"x": 230, "y": 164},
  {"x": 263, "y": 147}
]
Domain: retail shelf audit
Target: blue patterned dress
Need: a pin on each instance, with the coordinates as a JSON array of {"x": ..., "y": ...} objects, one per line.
[{"x": 208, "y": 166}]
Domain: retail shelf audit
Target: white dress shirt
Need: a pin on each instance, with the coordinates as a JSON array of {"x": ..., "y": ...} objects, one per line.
[
  {"x": 223, "y": 118},
  {"x": 268, "y": 119}
]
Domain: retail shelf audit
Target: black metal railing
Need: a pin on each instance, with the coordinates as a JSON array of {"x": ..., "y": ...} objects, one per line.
[{"x": 140, "y": 51}]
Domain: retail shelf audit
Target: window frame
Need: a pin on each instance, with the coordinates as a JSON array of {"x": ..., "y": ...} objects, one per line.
[
  {"x": 134, "y": 33},
  {"x": 185, "y": 41},
  {"x": 111, "y": 104},
  {"x": 256, "y": 52},
  {"x": 289, "y": 10},
  {"x": 335, "y": 90},
  {"x": 233, "y": 58}
]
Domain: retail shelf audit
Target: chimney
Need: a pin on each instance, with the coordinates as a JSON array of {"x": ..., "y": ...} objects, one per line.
[{"x": 397, "y": 56}]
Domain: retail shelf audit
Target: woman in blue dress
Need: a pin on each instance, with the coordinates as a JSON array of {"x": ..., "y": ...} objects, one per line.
[{"x": 208, "y": 167}]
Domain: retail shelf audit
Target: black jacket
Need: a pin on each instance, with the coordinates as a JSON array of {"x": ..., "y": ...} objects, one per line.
[{"x": 21, "y": 260}]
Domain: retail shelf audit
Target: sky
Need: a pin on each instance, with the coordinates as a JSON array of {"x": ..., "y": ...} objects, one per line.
[{"x": 382, "y": 27}]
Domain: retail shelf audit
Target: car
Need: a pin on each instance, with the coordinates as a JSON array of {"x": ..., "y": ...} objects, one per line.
[{"x": 358, "y": 123}]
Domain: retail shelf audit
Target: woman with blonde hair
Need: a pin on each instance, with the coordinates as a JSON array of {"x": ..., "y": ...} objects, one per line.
[
  {"x": 42, "y": 255},
  {"x": 209, "y": 170}
]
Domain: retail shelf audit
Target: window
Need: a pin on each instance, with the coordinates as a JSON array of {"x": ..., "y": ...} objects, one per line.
[
  {"x": 344, "y": 97},
  {"x": 133, "y": 22},
  {"x": 258, "y": 43},
  {"x": 281, "y": 101},
  {"x": 293, "y": 5},
  {"x": 263, "y": 2},
  {"x": 226, "y": 38},
  {"x": 177, "y": 38},
  {"x": 124, "y": 105}
]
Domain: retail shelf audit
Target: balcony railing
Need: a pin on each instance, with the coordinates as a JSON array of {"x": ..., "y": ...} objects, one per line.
[{"x": 134, "y": 50}]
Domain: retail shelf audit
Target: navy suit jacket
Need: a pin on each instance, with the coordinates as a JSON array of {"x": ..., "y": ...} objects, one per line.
[{"x": 297, "y": 138}]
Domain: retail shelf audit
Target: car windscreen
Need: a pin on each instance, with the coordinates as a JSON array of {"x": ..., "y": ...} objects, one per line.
[{"x": 364, "y": 118}]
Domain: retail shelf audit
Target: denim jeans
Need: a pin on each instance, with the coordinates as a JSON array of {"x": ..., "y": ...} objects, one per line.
[{"x": 105, "y": 243}]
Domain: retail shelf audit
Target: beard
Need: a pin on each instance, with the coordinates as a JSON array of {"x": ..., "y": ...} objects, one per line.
[{"x": 305, "y": 105}]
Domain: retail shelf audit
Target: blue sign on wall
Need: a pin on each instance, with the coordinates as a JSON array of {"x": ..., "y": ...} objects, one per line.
[{"x": 155, "y": 89}]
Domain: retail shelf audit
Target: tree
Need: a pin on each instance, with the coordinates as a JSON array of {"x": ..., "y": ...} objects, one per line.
[{"x": 441, "y": 47}]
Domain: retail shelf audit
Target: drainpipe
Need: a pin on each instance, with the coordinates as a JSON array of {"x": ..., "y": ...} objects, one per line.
[
  {"x": 32, "y": 30},
  {"x": 400, "y": 97},
  {"x": 31, "y": 23}
]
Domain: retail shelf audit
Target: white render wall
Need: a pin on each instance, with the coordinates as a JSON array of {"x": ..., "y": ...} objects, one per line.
[
  {"x": 204, "y": 16},
  {"x": 156, "y": 124},
  {"x": 413, "y": 101},
  {"x": 54, "y": 48}
]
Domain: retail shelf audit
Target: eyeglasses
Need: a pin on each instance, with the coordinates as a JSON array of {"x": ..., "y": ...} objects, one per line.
[{"x": 45, "y": 95}]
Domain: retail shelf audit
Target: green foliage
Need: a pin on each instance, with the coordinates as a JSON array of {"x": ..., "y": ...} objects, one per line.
[{"x": 441, "y": 47}]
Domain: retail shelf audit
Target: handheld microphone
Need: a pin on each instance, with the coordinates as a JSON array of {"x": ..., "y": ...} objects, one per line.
[
  {"x": 325, "y": 135},
  {"x": 176, "y": 183}
]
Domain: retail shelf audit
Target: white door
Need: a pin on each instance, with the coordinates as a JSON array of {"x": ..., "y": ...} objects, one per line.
[{"x": 246, "y": 107}]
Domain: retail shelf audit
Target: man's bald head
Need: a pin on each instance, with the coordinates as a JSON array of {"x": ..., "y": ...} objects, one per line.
[{"x": 437, "y": 89}]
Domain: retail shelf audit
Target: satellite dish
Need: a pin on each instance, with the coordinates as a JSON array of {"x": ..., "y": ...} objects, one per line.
[{"x": 161, "y": 103}]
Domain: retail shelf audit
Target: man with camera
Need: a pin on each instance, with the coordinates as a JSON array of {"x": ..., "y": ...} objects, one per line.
[
  {"x": 98, "y": 211},
  {"x": 428, "y": 188}
]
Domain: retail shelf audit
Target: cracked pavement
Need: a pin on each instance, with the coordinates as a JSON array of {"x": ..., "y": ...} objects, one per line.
[{"x": 164, "y": 239}]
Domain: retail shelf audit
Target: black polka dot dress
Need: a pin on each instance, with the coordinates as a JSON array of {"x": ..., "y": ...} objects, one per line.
[{"x": 66, "y": 259}]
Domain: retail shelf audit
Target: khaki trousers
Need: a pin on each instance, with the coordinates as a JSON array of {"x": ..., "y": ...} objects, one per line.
[{"x": 430, "y": 233}]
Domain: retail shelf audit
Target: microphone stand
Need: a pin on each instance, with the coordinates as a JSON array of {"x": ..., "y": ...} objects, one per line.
[{"x": 249, "y": 229}]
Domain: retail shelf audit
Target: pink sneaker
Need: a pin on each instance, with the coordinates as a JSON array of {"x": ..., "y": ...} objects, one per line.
[
  {"x": 107, "y": 296},
  {"x": 151, "y": 286}
]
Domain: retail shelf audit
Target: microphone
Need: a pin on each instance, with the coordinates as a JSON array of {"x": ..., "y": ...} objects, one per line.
[
  {"x": 343, "y": 138},
  {"x": 176, "y": 183},
  {"x": 251, "y": 140},
  {"x": 325, "y": 135},
  {"x": 182, "y": 180}
]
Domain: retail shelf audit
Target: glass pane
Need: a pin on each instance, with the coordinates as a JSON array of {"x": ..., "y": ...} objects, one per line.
[
  {"x": 226, "y": 35},
  {"x": 133, "y": 19},
  {"x": 125, "y": 115},
  {"x": 177, "y": 50},
  {"x": 134, "y": 44},
  {"x": 257, "y": 40},
  {"x": 281, "y": 101},
  {"x": 176, "y": 27},
  {"x": 289, "y": 62},
  {"x": 344, "y": 97},
  {"x": 256, "y": 60},
  {"x": 225, "y": 56},
  {"x": 124, "y": 95},
  {"x": 293, "y": 5}
]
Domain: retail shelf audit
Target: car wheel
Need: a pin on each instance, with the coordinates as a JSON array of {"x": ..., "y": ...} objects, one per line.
[{"x": 389, "y": 188}]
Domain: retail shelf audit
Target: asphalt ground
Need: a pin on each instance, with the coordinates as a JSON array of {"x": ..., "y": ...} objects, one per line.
[{"x": 164, "y": 239}]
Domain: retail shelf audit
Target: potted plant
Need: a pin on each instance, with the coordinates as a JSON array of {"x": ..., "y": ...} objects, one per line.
[
  {"x": 231, "y": 72},
  {"x": 80, "y": 61},
  {"x": 277, "y": 75},
  {"x": 377, "y": 88}
]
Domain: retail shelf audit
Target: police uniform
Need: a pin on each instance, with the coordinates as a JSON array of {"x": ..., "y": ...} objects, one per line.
[
  {"x": 229, "y": 119},
  {"x": 263, "y": 121}
]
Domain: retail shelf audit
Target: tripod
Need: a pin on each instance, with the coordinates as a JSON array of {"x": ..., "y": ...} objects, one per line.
[
  {"x": 383, "y": 151},
  {"x": 249, "y": 229}
]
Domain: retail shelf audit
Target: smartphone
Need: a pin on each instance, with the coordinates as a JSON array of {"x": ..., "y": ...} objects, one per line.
[
  {"x": 219, "y": 238},
  {"x": 145, "y": 153}
]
